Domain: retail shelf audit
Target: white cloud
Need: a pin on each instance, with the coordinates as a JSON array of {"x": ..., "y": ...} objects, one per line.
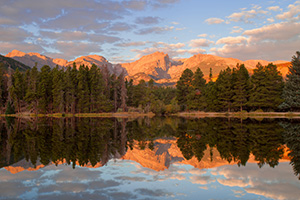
[
  {"x": 214, "y": 21},
  {"x": 156, "y": 30},
  {"x": 274, "y": 8},
  {"x": 202, "y": 35},
  {"x": 270, "y": 20},
  {"x": 279, "y": 31},
  {"x": 292, "y": 13},
  {"x": 280, "y": 39},
  {"x": 201, "y": 42},
  {"x": 129, "y": 44},
  {"x": 148, "y": 20},
  {"x": 246, "y": 15},
  {"x": 237, "y": 29},
  {"x": 232, "y": 40}
]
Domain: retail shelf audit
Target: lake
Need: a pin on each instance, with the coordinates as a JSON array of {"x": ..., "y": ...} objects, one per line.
[{"x": 157, "y": 158}]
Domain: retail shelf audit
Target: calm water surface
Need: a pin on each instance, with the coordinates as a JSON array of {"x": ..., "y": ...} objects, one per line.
[{"x": 158, "y": 158}]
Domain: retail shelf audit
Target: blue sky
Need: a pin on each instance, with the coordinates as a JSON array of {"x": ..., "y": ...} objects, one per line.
[{"x": 125, "y": 30}]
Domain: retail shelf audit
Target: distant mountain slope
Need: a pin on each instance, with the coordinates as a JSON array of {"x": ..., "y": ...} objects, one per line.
[
  {"x": 14, "y": 64},
  {"x": 30, "y": 59},
  {"x": 100, "y": 61}
]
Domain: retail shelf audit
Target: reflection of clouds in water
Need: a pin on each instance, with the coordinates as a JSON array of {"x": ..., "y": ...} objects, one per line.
[
  {"x": 234, "y": 182},
  {"x": 11, "y": 189},
  {"x": 131, "y": 182},
  {"x": 278, "y": 183},
  {"x": 153, "y": 193},
  {"x": 202, "y": 180},
  {"x": 197, "y": 171},
  {"x": 203, "y": 187}
]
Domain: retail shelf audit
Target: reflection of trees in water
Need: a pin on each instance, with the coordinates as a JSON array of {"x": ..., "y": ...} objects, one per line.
[
  {"x": 73, "y": 140},
  {"x": 235, "y": 139},
  {"x": 292, "y": 140},
  {"x": 92, "y": 140}
]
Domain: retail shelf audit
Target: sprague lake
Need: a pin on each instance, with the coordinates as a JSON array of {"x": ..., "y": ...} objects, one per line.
[{"x": 149, "y": 158}]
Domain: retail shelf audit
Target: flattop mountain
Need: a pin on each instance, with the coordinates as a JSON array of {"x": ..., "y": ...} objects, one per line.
[{"x": 158, "y": 66}]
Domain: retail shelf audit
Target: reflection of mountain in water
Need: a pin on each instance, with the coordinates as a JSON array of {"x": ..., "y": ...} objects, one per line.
[{"x": 155, "y": 143}]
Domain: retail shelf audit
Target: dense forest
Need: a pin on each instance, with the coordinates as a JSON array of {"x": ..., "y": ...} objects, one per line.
[{"x": 91, "y": 90}]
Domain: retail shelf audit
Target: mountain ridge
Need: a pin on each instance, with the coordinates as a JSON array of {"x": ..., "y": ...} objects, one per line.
[{"x": 158, "y": 65}]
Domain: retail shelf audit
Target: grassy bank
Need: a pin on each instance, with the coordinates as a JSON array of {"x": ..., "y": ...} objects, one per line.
[
  {"x": 59, "y": 115},
  {"x": 240, "y": 114}
]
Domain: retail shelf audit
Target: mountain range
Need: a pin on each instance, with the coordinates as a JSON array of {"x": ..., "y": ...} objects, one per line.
[{"x": 158, "y": 66}]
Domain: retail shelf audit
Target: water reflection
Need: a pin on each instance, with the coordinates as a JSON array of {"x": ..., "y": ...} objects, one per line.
[{"x": 93, "y": 141}]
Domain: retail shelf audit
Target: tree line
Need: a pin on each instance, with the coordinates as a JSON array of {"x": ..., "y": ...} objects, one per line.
[
  {"x": 82, "y": 90},
  {"x": 236, "y": 90},
  {"x": 95, "y": 90}
]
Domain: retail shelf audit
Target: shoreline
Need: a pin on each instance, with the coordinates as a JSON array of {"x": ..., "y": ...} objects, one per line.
[
  {"x": 239, "y": 114},
  {"x": 101, "y": 115}
]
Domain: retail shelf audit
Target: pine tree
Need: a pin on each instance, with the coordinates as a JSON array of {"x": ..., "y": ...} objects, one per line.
[
  {"x": 17, "y": 89},
  {"x": 266, "y": 87},
  {"x": 210, "y": 74},
  {"x": 31, "y": 96},
  {"x": 130, "y": 89},
  {"x": 71, "y": 84},
  {"x": 291, "y": 91},
  {"x": 44, "y": 91},
  {"x": 123, "y": 90},
  {"x": 224, "y": 89},
  {"x": 241, "y": 87},
  {"x": 211, "y": 97},
  {"x": 258, "y": 91},
  {"x": 58, "y": 92},
  {"x": 183, "y": 88},
  {"x": 1, "y": 87},
  {"x": 196, "y": 98},
  {"x": 274, "y": 85},
  {"x": 83, "y": 90}
]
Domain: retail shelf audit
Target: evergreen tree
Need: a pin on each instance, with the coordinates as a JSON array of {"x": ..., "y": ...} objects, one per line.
[
  {"x": 58, "y": 92},
  {"x": 31, "y": 96},
  {"x": 71, "y": 89},
  {"x": 196, "y": 98},
  {"x": 224, "y": 89},
  {"x": 291, "y": 91},
  {"x": 44, "y": 91},
  {"x": 183, "y": 88},
  {"x": 211, "y": 96},
  {"x": 123, "y": 90},
  {"x": 266, "y": 87},
  {"x": 274, "y": 85},
  {"x": 241, "y": 87},
  {"x": 139, "y": 94},
  {"x": 130, "y": 90},
  {"x": 2, "y": 88},
  {"x": 210, "y": 74},
  {"x": 9, "y": 108},
  {"x": 17, "y": 89},
  {"x": 83, "y": 90},
  {"x": 258, "y": 91}
]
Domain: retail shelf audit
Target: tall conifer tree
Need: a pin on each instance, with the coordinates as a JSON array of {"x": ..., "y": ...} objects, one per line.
[
  {"x": 45, "y": 90},
  {"x": 31, "y": 96},
  {"x": 183, "y": 88},
  {"x": 241, "y": 87},
  {"x": 291, "y": 92}
]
